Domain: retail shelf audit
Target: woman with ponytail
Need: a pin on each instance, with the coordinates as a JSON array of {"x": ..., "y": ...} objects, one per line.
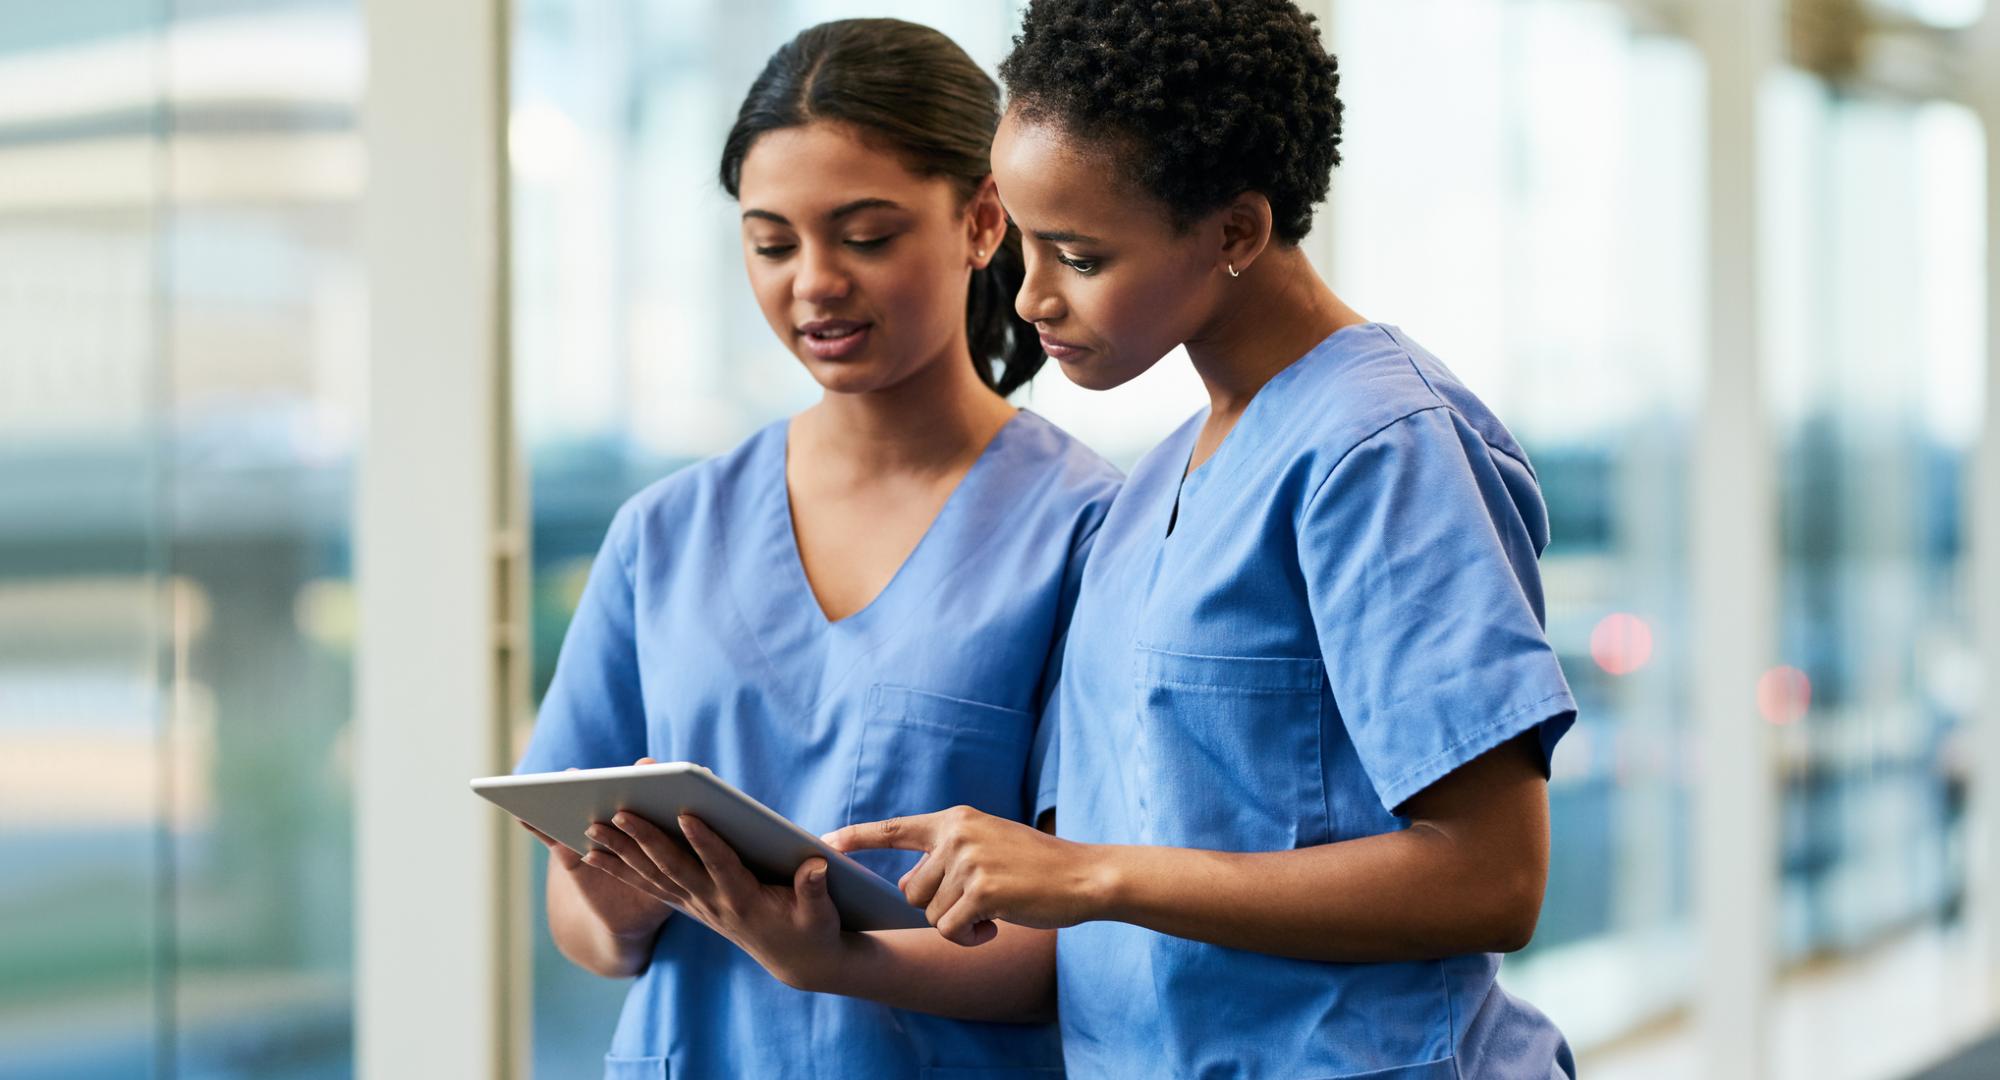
[{"x": 856, "y": 614}]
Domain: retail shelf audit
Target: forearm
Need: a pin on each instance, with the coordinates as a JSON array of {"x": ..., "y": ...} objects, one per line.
[
  {"x": 1009, "y": 979},
  {"x": 588, "y": 940},
  {"x": 1409, "y": 895}
]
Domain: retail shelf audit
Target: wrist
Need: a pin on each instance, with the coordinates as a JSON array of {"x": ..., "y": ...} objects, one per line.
[
  {"x": 1104, "y": 883},
  {"x": 638, "y": 933},
  {"x": 637, "y": 925},
  {"x": 611, "y": 954},
  {"x": 816, "y": 971}
]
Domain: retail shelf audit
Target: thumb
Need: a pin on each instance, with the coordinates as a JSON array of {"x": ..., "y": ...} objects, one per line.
[{"x": 809, "y": 885}]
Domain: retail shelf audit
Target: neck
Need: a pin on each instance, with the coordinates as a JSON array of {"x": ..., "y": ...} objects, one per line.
[
  {"x": 1275, "y": 313},
  {"x": 928, "y": 423}
]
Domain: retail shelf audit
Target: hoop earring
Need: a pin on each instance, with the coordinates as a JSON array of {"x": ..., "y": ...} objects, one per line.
[{"x": 1232, "y": 271}]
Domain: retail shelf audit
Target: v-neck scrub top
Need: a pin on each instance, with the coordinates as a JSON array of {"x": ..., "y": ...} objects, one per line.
[
  {"x": 1339, "y": 608},
  {"x": 699, "y": 639}
]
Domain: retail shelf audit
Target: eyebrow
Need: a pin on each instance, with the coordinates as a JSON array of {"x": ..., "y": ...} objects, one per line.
[
  {"x": 1060, "y": 236},
  {"x": 838, "y": 212},
  {"x": 1050, "y": 236}
]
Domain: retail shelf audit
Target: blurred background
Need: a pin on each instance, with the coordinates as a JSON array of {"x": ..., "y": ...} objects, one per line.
[{"x": 1641, "y": 229}]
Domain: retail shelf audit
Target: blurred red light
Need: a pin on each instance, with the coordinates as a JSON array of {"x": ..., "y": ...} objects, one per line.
[
  {"x": 1621, "y": 643},
  {"x": 1783, "y": 695}
]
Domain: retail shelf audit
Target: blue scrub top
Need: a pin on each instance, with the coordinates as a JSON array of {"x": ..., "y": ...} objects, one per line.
[
  {"x": 1345, "y": 610},
  {"x": 699, "y": 639}
]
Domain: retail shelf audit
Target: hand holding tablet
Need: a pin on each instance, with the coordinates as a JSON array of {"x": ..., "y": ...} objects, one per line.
[{"x": 730, "y": 834}]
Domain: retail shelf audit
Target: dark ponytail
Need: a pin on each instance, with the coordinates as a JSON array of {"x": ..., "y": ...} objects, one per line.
[
  {"x": 996, "y": 329},
  {"x": 917, "y": 91}
]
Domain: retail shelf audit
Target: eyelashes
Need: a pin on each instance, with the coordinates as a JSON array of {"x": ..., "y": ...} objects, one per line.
[
  {"x": 864, "y": 245},
  {"x": 1085, "y": 267}
]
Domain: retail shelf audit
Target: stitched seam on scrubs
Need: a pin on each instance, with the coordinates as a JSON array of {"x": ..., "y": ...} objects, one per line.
[
  {"x": 1320, "y": 712},
  {"x": 1231, "y": 688},
  {"x": 1450, "y": 1017},
  {"x": 776, "y": 671},
  {"x": 947, "y": 729},
  {"x": 1361, "y": 442},
  {"x": 871, "y": 704},
  {"x": 1304, "y": 683},
  {"x": 625, "y": 553},
  {"x": 1410, "y": 354},
  {"x": 1052, "y": 665},
  {"x": 1506, "y": 719}
]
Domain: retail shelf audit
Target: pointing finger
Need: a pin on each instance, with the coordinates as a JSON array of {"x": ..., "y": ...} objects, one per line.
[{"x": 902, "y": 834}]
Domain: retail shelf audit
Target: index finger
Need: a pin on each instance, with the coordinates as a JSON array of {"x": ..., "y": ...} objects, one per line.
[
  {"x": 557, "y": 849},
  {"x": 900, "y": 834},
  {"x": 542, "y": 836}
]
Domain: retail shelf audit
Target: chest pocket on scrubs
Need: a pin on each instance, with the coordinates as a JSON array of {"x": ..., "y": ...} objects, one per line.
[
  {"x": 1230, "y": 751},
  {"x": 922, "y": 752}
]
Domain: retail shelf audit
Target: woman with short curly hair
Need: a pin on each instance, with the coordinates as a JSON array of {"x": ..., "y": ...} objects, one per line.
[{"x": 1307, "y": 705}]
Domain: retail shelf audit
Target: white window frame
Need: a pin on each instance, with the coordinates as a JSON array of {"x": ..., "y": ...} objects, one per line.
[{"x": 441, "y": 912}]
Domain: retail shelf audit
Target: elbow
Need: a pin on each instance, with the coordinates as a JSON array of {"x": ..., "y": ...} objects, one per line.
[
  {"x": 1510, "y": 924},
  {"x": 1514, "y": 935},
  {"x": 599, "y": 966},
  {"x": 1496, "y": 910},
  {"x": 615, "y": 967}
]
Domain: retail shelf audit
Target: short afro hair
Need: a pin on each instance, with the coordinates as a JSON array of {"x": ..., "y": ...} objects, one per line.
[{"x": 1207, "y": 99}]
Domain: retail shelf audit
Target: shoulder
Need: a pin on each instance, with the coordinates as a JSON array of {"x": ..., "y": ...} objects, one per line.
[
  {"x": 1413, "y": 435},
  {"x": 1068, "y": 474},
  {"x": 1374, "y": 385},
  {"x": 681, "y": 502}
]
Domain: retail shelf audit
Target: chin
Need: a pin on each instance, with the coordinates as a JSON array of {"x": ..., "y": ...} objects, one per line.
[
  {"x": 1096, "y": 375},
  {"x": 849, "y": 376}
]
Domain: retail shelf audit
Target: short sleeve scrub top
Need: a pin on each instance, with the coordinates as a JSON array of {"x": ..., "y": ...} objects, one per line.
[
  {"x": 1277, "y": 650},
  {"x": 699, "y": 639}
]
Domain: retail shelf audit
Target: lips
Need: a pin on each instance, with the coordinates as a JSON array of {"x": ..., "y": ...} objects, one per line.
[
  {"x": 1058, "y": 349},
  {"x": 835, "y": 339}
]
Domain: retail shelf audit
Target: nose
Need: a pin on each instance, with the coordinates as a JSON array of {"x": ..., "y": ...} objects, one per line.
[
  {"x": 820, "y": 277},
  {"x": 1038, "y": 301}
]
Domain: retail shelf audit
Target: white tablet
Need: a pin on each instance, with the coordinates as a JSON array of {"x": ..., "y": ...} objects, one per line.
[{"x": 563, "y": 804}]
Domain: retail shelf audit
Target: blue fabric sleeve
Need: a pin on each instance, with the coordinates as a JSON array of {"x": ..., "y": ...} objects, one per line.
[
  {"x": 1044, "y": 759},
  {"x": 1420, "y": 569},
  {"x": 594, "y": 715}
]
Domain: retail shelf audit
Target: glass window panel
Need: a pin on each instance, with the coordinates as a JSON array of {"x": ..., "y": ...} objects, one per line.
[
  {"x": 263, "y": 295},
  {"x": 1877, "y": 331},
  {"x": 81, "y": 562},
  {"x": 182, "y": 349}
]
